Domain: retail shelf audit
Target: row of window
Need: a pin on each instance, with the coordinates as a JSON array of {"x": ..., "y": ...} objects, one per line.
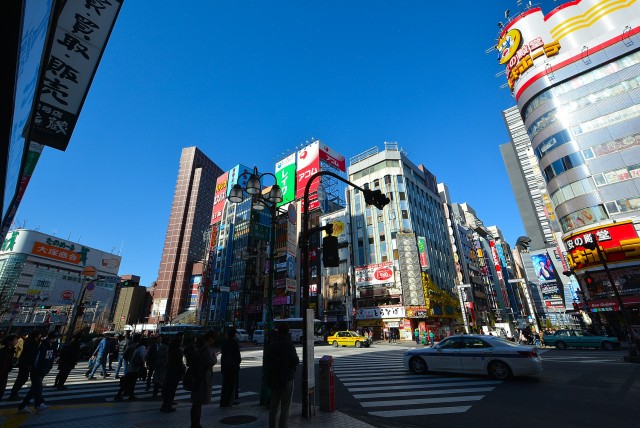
[
  {"x": 612, "y": 146},
  {"x": 617, "y": 175},
  {"x": 580, "y": 81},
  {"x": 573, "y": 190},
  {"x": 554, "y": 115},
  {"x": 623, "y": 205},
  {"x": 607, "y": 120},
  {"x": 375, "y": 168},
  {"x": 562, "y": 165},
  {"x": 583, "y": 217}
]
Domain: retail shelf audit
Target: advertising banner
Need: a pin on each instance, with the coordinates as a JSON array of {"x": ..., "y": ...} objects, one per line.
[
  {"x": 308, "y": 164},
  {"x": 220, "y": 198},
  {"x": 618, "y": 242},
  {"x": 496, "y": 263},
  {"x": 544, "y": 267},
  {"x": 193, "y": 293},
  {"x": 332, "y": 157},
  {"x": 422, "y": 252},
  {"x": 235, "y": 174},
  {"x": 380, "y": 312},
  {"x": 286, "y": 178},
  {"x": 375, "y": 274},
  {"x": 292, "y": 231}
]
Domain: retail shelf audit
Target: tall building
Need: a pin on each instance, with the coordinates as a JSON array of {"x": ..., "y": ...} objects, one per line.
[
  {"x": 575, "y": 74},
  {"x": 186, "y": 235}
]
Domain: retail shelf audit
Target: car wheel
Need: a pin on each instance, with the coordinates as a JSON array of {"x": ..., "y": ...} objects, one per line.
[
  {"x": 607, "y": 346},
  {"x": 335, "y": 343},
  {"x": 499, "y": 370},
  {"x": 561, "y": 346},
  {"x": 358, "y": 344},
  {"x": 418, "y": 365}
]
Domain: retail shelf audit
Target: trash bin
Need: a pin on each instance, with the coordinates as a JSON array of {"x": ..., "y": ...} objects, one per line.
[{"x": 326, "y": 384}]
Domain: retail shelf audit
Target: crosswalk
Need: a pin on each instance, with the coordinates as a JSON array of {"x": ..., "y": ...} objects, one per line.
[
  {"x": 101, "y": 390},
  {"x": 385, "y": 389}
]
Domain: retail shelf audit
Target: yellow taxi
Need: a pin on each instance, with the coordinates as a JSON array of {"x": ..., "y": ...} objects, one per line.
[{"x": 348, "y": 338}]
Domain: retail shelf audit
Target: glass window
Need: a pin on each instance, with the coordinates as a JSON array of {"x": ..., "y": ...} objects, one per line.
[
  {"x": 376, "y": 184},
  {"x": 405, "y": 214},
  {"x": 612, "y": 207},
  {"x": 403, "y": 196},
  {"x": 600, "y": 180},
  {"x": 558, "y": 166},
  {"x": 568, "y": 193},
  {"x": 573, "y": 160},
  {"x": 577, "y": 189},
  {"x": 451, "y": 343},
  {"x": 387, "y": 180},
  {"x": 588, "y": 153},
  {"x": 400, "y": 179}
]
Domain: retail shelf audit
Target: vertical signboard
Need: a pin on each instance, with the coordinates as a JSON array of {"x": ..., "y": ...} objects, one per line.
[
  {"x": 220, "y": 198},
  {"x": 308, "y": 164},
  {"x": 496, "y": 263},
  {"x": 422, "y": 251},
  {"x": 286, "y": 178},
  {"x": 236, "y": 176}
]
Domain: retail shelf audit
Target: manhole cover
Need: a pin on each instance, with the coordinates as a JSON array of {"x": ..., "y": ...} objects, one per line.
[{"x": 238, "y": 420}]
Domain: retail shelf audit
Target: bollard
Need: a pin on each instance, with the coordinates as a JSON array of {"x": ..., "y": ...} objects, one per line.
[{"x": 327, "y": 389}]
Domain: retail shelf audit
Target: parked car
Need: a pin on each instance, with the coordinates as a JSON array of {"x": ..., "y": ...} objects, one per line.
[
  {"x": 566, "y": 338},
  {"x": 348, "y": 338},
  {"x": 258, "y": 337},
  {"x": 475, "y": 354},
  {"x": 242, "y": 335}
]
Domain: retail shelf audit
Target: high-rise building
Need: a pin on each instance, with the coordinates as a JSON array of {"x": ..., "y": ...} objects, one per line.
[{"x": 186, "y": 235}]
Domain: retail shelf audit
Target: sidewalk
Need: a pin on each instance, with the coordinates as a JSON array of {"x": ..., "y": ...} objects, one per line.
[{"x": 141, "y": 414}]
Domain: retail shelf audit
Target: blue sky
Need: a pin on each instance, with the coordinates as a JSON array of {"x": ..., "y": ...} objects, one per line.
[{"x": 248, "y": 81}]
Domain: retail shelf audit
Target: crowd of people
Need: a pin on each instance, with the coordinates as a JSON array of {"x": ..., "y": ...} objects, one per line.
[{"x": 145, "y": 358}]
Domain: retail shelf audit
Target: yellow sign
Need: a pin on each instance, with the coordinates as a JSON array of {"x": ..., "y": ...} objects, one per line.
[{"x": 509, "y": 44}]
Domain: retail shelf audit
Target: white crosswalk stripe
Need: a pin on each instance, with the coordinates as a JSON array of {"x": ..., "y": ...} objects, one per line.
[
  {"x": 394, "y": 392},
  {"x": 81, "y": 388}
]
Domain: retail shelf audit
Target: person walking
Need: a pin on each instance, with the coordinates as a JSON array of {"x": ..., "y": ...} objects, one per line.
[
  {"x": 40, "y": 368},
  {"x": 135, "y": 363},
  {"x": 69, "y": 356},
  {"x": 175, "y": 371},
  {"x": 112, "y": 356},
  {"x": 152, "y": 356},
  {"x": 282, "y": 361},
  {"x": 432, "y": 337},
  {"x": 100, "y": 358},
  {"x": 25, "y": 363},
  {"x": 202, "y": 368},
  {"x": 230, "y": 367},
  {"x": 7, "y": 357},
  {"x": 160, "y": 368},
  {"x": 123, "y": 343},
  {"x": 416, "y": 335}
]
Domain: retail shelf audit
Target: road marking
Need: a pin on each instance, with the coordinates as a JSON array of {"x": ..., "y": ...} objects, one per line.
[
  {"x": 422, "y": 385},
  {"x": 389, "y": 403},
  {"x": 420, "y": 412},
  {"x": 415, "y": 393},
  {"x": 408, "y": 380}
]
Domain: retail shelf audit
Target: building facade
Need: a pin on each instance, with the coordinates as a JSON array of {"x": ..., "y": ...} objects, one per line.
[{"x": 186, "y": 235}]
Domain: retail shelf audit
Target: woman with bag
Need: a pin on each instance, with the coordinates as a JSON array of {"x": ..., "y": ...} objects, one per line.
[{"x": 202, "y": 371}]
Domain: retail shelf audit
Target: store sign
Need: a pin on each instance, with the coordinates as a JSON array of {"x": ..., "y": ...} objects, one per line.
[
  {"x": 380, "y": 312},
  {"x": 220, "y": 198},
  {"x": 375, "y": 274},
  {"x": 422, "y": 252},
  {"x": 496, "y": 263},
  {"x": 332, "y": 157},
  {"x": 286, "y": 178},
  {"x": 308, "y": 164},
  {"x": 618, "y": 242},
  {"x": 508, "y": 45}
]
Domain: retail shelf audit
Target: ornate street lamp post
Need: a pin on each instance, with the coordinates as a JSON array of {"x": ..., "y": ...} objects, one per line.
[{"x": 253, "y": 189}]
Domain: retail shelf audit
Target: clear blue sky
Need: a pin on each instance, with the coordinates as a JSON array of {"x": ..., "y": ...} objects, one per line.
[{"x": 246, "y": 81}]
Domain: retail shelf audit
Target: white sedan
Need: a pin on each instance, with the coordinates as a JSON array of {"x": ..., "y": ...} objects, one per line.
[{"x": 475, "y": 354}]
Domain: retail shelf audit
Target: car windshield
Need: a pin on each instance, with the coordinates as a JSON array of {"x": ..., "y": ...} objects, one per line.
[{"x": 504, "y": 342}]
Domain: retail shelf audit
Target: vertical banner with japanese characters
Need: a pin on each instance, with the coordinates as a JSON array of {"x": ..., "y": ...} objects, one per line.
[
  {"x": 308, "y": 164},
  {"x": 286, "y": 178}
]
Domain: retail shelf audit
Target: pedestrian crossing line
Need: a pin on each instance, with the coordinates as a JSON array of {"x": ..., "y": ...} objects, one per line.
[
  {"x": 415, "y": 393},
  {"x": 420, "y": 412},
  {"x": 409, "y": 380},
  {"x": 394, "y": 373},
  {"x": 421, "y": 401},
  {"x": 348, "y": 372},
  {"x": 374, "y": 387}
]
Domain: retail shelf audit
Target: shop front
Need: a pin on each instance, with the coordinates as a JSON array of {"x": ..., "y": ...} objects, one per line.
[{"x": 381, "y": 320}]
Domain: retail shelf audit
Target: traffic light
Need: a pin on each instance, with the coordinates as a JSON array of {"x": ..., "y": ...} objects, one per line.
[
  {"x": 330, "y": 256},
  {"x": 375, "y": 198}
]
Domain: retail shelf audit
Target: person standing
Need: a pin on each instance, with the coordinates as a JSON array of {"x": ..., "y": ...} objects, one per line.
[
  {"x": 152, "y": 356},
  {"x": 416, "y": 335},
  {"x": 114, "y": 344},
  {"x": 40, "y": 368},
  {"x": 7, "y": 356},
  {"x": 123, "y": 343},
  {"x": 230, "y": 368},
  {"x": 175, "y": 371},
  {"x": 432, "y": 337},
  {"x": 202, "y": 363},
  {"x": 69, "y": 356},
  {"x": 282, "y": 361},
  {"x": 160, "y": 368},
  {"x": 135, "y": 364},
  {"x": 100, "y": 358},
  {"x": 25, "y": 362}
]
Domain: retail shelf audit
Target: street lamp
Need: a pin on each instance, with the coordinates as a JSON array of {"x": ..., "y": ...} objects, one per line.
[{"x": 253, "y": 188}]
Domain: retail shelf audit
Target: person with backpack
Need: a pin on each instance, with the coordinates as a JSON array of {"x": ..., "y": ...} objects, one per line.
[
  {"x": 41, "y": 367},
  {"x": 201, "y": 366},
  {"x": 69, "y": 356},
  {"x": 135, "y": 356},
  {"x": 282, "y": 361}
]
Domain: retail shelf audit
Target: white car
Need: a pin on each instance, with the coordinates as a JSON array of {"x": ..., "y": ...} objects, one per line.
[
  {"x": 258, "y": 337},
  {"x": 475, "y": 354},
  {"x": 242, "y": 335}
]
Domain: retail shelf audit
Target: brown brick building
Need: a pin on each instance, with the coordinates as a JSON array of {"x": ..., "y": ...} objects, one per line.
[{"x": 184, "y": 243}]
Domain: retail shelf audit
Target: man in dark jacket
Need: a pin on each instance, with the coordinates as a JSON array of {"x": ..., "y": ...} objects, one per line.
[
  {"x": 154, "y": 349},
  {"x": 175, "y": 371},
  {"x": 230, "y": 368},
  {"x": 7, "y": 355},
  {"x": 281, "y": 361},
  {"x": 25, "y": 362},
  {"x": 69, "y": 356},
  {"x": 41, "y": 367}
]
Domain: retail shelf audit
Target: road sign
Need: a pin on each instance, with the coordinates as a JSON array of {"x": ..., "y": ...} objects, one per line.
[{"x": 91, "y": 286}]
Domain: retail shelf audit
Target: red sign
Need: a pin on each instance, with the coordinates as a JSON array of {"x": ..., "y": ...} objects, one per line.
[
  {"x": 375, "y": 274},
  {"x": 496, "y": 262},
  {"x": 67, "y": 295},
  {"x": 333, "y": 158},
  {"x": 219, "y": 198},
  {"x": 618, "y": 243},
  {"x": 308, "y": 164},
  {"x": 383, "y": 274},
  {"x": 613, "y": 303}
]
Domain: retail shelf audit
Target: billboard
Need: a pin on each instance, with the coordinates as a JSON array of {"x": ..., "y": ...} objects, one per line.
[
  {"x": 422, "y": 252},
  {"x": 375, "y": 274},
  {"x": 220, "y": 198},
  {"x": 332, "y": 157},
  {"x": 234, "y": 176},
  {"x": 308, "y": 164},
  {"x": 496, "y": 264},
  {"x": 544, "y": 267},
  {"x": 286, "y": 178}
]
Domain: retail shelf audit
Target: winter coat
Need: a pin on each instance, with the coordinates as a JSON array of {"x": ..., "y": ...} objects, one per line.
[
  {"x": 230, "y": 356},
  {"x": 204, "y": 361},
  {"x": 44, "y": 359},
  {"x": 28, "y": 354},
  {"x": 6, "y": 360},
  {"x": 282, "y": 361},
  {"x": 70, "y": 354},
  {"x": 175, "y": 364},
  {"x": 160, "y": 364}
]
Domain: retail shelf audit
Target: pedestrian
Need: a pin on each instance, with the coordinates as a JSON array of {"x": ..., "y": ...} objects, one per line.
[
  {"x": 123, "y": 343},
  {"x": 7, "y": 360},
  {"x": 161, "y": 359},
  {"x": 68, "y": 358},
  {"x": 100, "y": 358},
  {"x": 152, "y": 355},
  {"x": 25, "y": 363},
  {"x": 416, "y": 335},
  {"x": 432, "y": 337},
  {"x": 114, "y": 344},
  {"x": 230, "y": 366},
  {"x": 523, "y": 339},
  {"x": 135, "y": 357},
  {"x": 282, "y": 361},
  {"x": 175, "y": 371},
  {"x": 40, "y": 368},
  {"x": 202, "y": 368}
]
